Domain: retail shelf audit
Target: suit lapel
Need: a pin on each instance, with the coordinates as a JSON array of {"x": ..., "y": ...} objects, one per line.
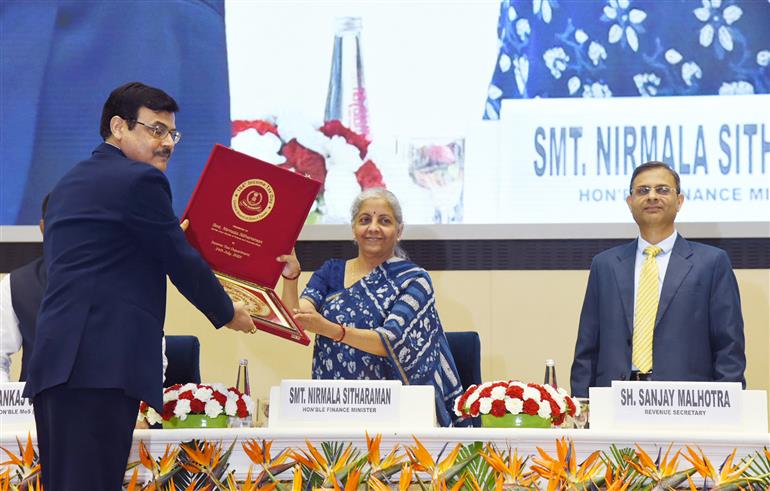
[
  {"x": 624, "y": 277},
  {"x": 679, "y": 266}
]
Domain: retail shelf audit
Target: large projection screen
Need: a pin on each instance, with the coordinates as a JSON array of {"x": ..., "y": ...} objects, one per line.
[{"x": 505, "y": 119}]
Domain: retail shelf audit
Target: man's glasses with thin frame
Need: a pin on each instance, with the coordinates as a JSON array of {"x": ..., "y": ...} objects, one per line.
[
  {"x": 160, "y": 131},
  {"x": 661, "y": 190}
]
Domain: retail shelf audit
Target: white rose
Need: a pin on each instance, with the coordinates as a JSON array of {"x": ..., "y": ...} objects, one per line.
[
  {"x": 485, "y": 405},
  {"x": 264, "y": 147},
  {"x": 231, "y": 408},
  {"x": 170, "y": 395},
  {"x": 531, "y": 393},
  {"x": 249, "y": 403},
  {"x": 182, "y": 409},
  {"x": 213, "y": 408},
  {"x": 498, "y": 393},
  {"x": 514, "y": 406},
  {"x": 203, "y": 394},
  {"x": 290, "y": 127},
  {"x": 153, "y": 417},
  {"x": 545, "y": 410},
  {"x": 191, "y": 387}
]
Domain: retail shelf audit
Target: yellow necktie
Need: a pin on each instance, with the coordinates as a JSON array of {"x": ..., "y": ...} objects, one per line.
[{"x": 646, "y": 310}]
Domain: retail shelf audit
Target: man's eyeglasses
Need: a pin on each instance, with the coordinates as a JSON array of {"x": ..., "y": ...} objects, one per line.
[
  {"x": 660, "y": 190},
  {"x": 160, "y": 131}
]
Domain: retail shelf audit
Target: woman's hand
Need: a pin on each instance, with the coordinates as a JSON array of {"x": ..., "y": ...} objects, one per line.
[
  {"x": 291, "y": 269},
  {"x": 312, "y": 321}
]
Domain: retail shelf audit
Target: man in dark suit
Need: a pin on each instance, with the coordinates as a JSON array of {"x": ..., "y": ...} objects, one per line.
[
  {"x": 111, "y": 238},
  {"x": 21, "y": 292},
  {"x": 660, "y": 307}
]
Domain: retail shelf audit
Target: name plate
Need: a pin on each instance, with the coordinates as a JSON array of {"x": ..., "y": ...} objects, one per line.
[
  {"x": 15, "y": 410},
  {"x": 322, "y": 401},
  {"x": 677, "y": 404}
]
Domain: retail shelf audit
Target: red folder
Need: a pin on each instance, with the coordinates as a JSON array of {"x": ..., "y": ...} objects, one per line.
[{"x": 243, "y": 214}]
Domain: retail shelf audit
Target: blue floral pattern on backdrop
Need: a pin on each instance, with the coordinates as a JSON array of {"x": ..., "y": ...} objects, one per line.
[{"x": 551, "y": 48}]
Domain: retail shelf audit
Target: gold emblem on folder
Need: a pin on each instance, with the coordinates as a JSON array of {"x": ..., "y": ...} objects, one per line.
[{"x": 253, "y": 200}]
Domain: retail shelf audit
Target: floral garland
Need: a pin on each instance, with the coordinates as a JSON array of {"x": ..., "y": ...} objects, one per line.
[
  {"x": 514, "y": 397},
  {"x": 211, "y": 400},
  {"x": 332, "y": 154}
]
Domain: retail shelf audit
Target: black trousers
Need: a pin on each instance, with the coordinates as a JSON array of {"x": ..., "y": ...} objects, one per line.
[{"x": 84, "y": 437}]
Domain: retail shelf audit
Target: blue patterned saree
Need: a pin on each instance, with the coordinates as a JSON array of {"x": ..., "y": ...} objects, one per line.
[{"x": 396, "y": 300}]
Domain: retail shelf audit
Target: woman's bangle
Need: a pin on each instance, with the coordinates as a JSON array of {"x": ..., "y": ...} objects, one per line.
[
  {"x": 344, "y": 331},
  {"x": 291, "y": 278}
]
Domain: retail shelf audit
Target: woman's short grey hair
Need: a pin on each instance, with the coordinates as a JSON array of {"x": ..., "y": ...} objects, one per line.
[
  {"x": 390, "y": 198},
  {"x": 377, "y": 193}
]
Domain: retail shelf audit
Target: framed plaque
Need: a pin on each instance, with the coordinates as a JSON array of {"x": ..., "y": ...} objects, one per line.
[{"x": 243, "y": 214}]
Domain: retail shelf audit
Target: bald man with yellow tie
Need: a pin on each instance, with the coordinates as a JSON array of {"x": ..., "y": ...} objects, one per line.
[{"x": 660, "y": 307}]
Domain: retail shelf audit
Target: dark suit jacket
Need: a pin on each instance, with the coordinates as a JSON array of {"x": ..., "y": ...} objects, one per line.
[
  {"x": 698, "y": 329},
  {"x": 111, "y": 237},
  {"x": 27, "y": 286}
]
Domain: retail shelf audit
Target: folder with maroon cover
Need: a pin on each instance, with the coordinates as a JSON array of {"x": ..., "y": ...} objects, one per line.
[{"x": 243, "y": 214}]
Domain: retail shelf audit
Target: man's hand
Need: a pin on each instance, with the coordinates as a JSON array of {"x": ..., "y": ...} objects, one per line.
[{"x": 241, "y": 319}]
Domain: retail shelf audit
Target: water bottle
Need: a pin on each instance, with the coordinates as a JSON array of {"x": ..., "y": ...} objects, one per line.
[
  {"x": 346, "y": 98},
  {"x": 550, "y": 373},
  {"x": 242, "y": 381},
  {"x": 242, "y": 384}
]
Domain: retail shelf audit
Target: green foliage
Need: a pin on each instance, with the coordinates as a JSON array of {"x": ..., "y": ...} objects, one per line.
[{"x": 477, "y": 466}]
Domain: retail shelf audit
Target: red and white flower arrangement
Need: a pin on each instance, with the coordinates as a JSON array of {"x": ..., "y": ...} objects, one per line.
[
  {"x": 211, "y": 400},
  {"x": 331, "y": 153},
  {"x": 514, "y": 397}
]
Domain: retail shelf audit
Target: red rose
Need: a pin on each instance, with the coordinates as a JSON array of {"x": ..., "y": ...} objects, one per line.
[
  {"x": 475, "y": 409},
  {"x": 515, "y": 392},
  {"x": 143, "y": 406},
  {"x": 369, "y": 176},
  {"x": 186, "y": 395},
  {"x": 556, "y": 421},
  {"x": 219, "y": 397},
  {"x": 498, "y": 408},
  {"x": 168, "y": 410},
  {"x": 555, "y": 410},
  {"x": 197, "y": 407},
  {"x": 463, "y": 398},
  {"x": 335, "y": 128},
  {"x": 531, "y": 407},
  {"x": 304, "y": 161},
  {"x": 174, "y": 387},
  {"x": 261, "y": 126},
  {"x": 486, "y": 391},
  {"x": 241, "y": 410},
  {"x": 543, "y": 393}
]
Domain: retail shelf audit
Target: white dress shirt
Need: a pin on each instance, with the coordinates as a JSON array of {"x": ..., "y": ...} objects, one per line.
[{"x": 10, "y": 335}]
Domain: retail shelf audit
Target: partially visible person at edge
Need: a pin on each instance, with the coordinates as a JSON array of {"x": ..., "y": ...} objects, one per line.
[
  {"x": 111, "y": 238},
  {"x": 375, "y": 315},
  {"x": 692, "y": 329}
]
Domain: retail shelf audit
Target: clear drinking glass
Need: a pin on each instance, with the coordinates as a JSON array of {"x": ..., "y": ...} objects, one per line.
[
  {"x": 437, "y": 164},
  {"x": 582, "y": 419}
]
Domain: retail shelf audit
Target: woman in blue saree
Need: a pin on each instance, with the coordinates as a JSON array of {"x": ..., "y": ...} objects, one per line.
[{"x": 375, "y": 315}]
